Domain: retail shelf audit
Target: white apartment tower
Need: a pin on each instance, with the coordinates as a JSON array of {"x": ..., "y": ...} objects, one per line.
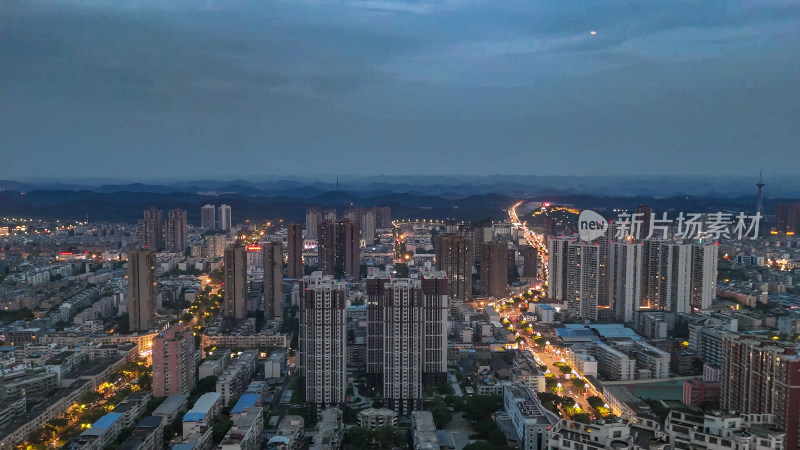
[
  {"x": 224, "y": 217},
  {"x": 674, "y": 264},
  {"x": 406, "y": 337},
  {"x": 625, "y": 272},
  {"x": 313, "y": 219},
  {"x": 323, "y": 340},
  {"x": 704, "y": 275}
]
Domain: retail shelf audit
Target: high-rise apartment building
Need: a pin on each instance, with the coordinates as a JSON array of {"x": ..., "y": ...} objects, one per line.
[
  {"x": 454, "y": 256},
  {"x": 557, "y": 268},
  {"x": 234, "y": 304},
  {"x": 175, "y": 231},
  {"x": 329, "y": 215},
  {"x": 313, "y": 219},
  {"x": 141, "y": 289},
  {"x": 651, "y": 279},
  {"x": 579, "y": 276},
  {"x": 326, "y": 247},
  {"x": 530, "y": 261},
  {"x": 787, "y": 218},
  {"x": 645, "y": 215},
  {"x": 481, "y": 232},
  {"x": 294, "y": 250},
  {"x": 583, "y": 276},
  {"x": 383, "y": 217},
  {"x": 339, "y": 248},
  {"x": 625, "y": 274},
  {"x": 628, "y": 276},
  {"x": 215, "y": 245},
  {"x": 761, "y": 376},
  {"x": 224, "y": 217},
  {"x": 674, "y": 272},
  {"x": 703, "y": 275},
  {"x": 494, "y": 269},
  {"x": 406, "y": 337},
  {"x": 208, "y": 217},
  {"x": 150, "y": 230},
  {"x": 173, "y": 362},
  {"x": 273, "y": 279},
  {"x": 367, "y": 223},
  {"x": 323, "y": 340}
]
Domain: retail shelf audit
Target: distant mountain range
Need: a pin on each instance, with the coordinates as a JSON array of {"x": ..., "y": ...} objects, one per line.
[
  {"x": 466, "y": 198},
  {"x": 446, "y": 186}
]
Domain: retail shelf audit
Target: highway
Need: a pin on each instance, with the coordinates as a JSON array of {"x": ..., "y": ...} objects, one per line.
[
  {"x": 550, "y": 355},
  {"x": 535, "y": 240}
]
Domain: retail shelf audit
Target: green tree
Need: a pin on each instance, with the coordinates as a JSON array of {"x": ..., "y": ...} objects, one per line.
[
  {"x": 582, "y": 418},
  {"x": 595, "y": 401},
  {"x": 350, "y": 416},
  {"x": 357, "y": 437},
  {"x": 220, "y": 429},
  {"x": 441, "y": 416},
  {"x": 480, "y": 445},
  {"x": 481, "y": 406},
  {"x": 402, "y": 270},
  {"x": 563, "y": 367},
  {"x": 567, "y": 402}
]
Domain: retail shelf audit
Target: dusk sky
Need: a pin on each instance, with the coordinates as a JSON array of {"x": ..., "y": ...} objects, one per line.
[{"x": 160, "y": 89}]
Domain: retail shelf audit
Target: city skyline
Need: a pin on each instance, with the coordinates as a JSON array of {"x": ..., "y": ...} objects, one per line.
[{"x": 615, "y": 86}]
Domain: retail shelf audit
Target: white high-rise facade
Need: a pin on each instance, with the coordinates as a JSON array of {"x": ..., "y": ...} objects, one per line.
[
  {"x": 674, "y": 266},
  {"x": 704, "y": 275},
  {"x": 625, "y": 274},
  {"x": 224, "y": 217},
  {"x": 323, "y": 340},
  {"x": 406, "y": 337},
  {"x": 313, "y": 219},
  {"x": 629, "y": 276},
  {"x": 367, "y": 220}
]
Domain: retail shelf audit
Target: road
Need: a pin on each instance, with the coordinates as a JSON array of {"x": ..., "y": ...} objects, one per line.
[{"x": 535, "y": 240}]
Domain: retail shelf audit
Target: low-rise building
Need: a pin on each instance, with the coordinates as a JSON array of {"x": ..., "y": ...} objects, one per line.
[
  {"x": 424, "y": 431},
  {"x": 289, "y": 435},
  {"x": 147, "y": 435},
  {"x": 718, "y": 431},
  {"x": 372, "y": 418},
  {"x": 199, "y": 419},
  {"x": 235, "y": 378},
  {"x": 614, "y": 365},
  {"x": 275, "y": 364},
  {"x": 171, "y": 408},
  {"x": 328, "y": 435},
  {"x": 697, "y": 392},
  {"x": 247, "y": 432},
  {"x": 132, "y": 407},
  {"x": 603, "y": 434},
  {"x": 529, "y": 418},
  {"x": 582, "y": 362},
  {"x": 102, "y": 432}
]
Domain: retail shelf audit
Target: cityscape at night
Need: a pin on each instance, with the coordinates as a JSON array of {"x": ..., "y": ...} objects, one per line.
[{"x": 399, "y": 224}]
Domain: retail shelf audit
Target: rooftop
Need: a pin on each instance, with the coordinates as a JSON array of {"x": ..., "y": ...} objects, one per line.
[
  {"x": 102, "y": 424},
  {"x": 170, "y": 404},
  {"x": 245, "y": 401}
]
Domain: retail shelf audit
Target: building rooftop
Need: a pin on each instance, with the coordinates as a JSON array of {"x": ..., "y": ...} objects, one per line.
[
  {"x": 202, "y": 407},
  {"x": 170, "y": 405},
  {"x": 245, "y": 401},
  {"x": 102, "y": 424},
  {"x": 150, "y": 422}
]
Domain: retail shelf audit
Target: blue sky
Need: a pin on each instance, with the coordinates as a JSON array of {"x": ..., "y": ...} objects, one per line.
[{"x": 144, "y": 89}]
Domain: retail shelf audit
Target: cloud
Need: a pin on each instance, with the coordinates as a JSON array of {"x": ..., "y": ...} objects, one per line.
[{"x": 268, "y": 81}]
